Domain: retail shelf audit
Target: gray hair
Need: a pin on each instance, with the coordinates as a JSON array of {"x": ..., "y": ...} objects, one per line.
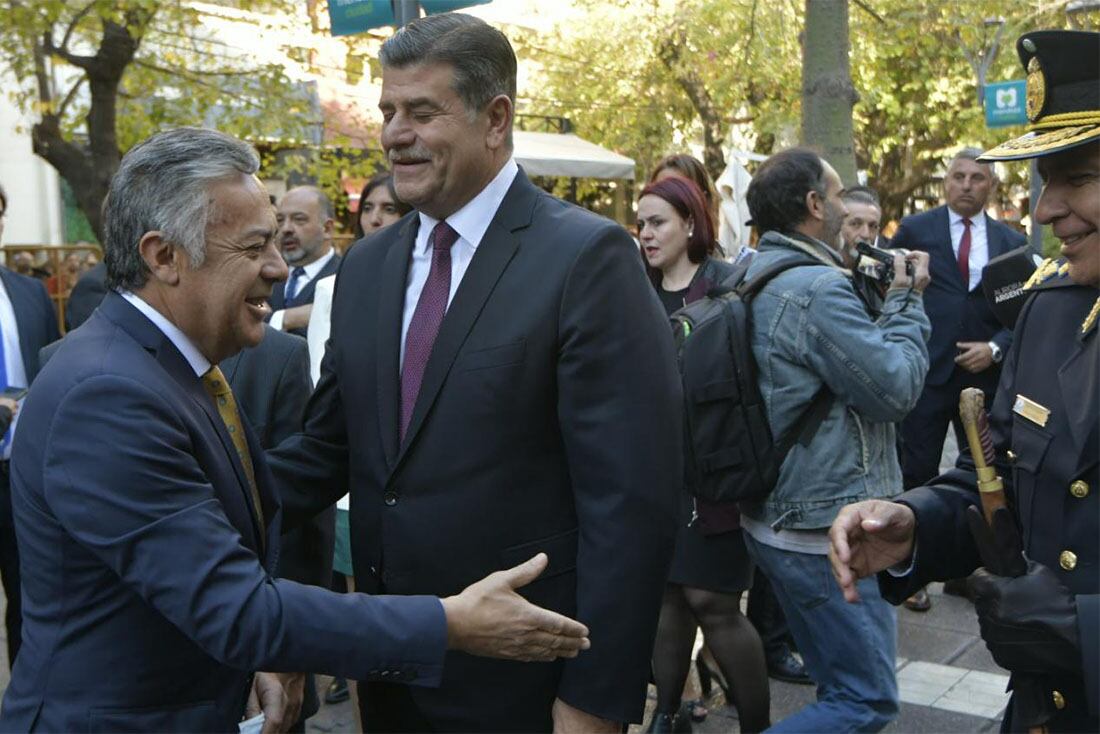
[
  {"x": 163, "y": 185},
  {"x": 482, "y": 58},
  {"x": 861, "y": 195},
  {"x": 971, "y": 153}
]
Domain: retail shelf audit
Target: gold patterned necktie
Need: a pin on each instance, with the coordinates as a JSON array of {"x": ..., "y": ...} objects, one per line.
[{"x": 218, "y": 388}]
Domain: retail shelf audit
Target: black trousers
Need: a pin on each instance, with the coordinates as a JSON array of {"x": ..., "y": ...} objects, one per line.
[
  {"x": 924, "y": 429},
  {"x": 9, "y": 568}
]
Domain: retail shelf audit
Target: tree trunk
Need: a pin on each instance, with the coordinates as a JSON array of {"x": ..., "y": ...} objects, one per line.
[
  {"x": 88, "y": 168},
  {"x": 827, "y": 92}
]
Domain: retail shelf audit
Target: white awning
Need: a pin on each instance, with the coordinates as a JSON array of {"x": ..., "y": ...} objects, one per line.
[{"x": 552, "y": 154}]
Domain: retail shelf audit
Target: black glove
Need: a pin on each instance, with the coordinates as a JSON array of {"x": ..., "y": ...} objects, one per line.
[{"x": 1029, "y": 623}]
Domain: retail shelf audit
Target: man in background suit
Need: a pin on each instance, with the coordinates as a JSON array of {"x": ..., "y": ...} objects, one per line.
[
  {"x": 28, "y": 322},
  {"x": 147, "y": 522},
  {"x": 85, "y": 296},
  {"x": 499, "y": 380},
  {"x": 306, "y": 222},
  {"x": 968, "y": 342}
]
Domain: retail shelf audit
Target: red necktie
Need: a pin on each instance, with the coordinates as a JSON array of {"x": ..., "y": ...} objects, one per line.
[
  {"x": 424, "y": 326},
  {"x": 964, "y": 254}
]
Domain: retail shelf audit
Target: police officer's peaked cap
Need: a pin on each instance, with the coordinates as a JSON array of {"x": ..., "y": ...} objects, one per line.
[{"x": 1063, "y": 94}]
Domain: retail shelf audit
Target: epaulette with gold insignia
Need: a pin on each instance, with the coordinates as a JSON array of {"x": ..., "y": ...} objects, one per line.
[{"x": 1048, "y": 271}]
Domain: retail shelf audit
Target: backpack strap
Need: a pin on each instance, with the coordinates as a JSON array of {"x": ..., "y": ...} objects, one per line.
[
  {"x": 805, "y": 427},
  {"x": 746, "y": 289},
  {"x": 809, "y": 421}
]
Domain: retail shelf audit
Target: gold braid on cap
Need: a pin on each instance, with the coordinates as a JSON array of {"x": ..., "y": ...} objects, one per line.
[{"x": 1066, "y": 119}]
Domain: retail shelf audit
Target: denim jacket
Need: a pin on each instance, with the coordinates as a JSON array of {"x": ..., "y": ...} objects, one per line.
[{"x": 809, "y": 328}]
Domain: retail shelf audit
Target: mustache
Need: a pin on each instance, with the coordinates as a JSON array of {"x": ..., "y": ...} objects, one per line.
[{"x": 405, "y": 155}]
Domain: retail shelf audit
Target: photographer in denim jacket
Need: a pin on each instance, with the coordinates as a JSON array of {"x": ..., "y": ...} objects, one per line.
[{"x": 810, "y": 330}]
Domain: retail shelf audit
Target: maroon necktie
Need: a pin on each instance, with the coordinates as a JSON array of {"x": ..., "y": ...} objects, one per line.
[
  {"x": 964, "y": 254},
  {"x": 426, "y": 319}
]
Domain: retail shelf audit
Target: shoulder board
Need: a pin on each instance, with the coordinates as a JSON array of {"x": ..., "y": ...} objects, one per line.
[{"x": 1050, "y": 274}]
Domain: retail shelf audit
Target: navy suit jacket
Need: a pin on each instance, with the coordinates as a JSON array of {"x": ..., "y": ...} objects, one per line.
[
  {"x": 272, "y": 384},
  {"x": 305, "y": 293},
  {"x": 35, "y": 316},
  {"x": 957, "y": 313},
  {"x": 147, "y": 598},
  {"x": 548, "y": 419}
]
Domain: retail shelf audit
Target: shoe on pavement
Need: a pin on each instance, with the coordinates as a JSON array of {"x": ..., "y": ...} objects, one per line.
[
  {"x": 919, "y": 602},
  {"x": 337, "y": 691},
  {"x": 786, "y": 667},
  {"x": 956, "y": 587}
]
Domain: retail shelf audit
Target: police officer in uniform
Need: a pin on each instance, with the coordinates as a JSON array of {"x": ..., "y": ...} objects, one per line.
[{"x": 1043, "y": 625}]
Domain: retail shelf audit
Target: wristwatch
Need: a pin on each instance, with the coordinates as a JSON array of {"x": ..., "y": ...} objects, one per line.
[{"x": 998, "y": 355}]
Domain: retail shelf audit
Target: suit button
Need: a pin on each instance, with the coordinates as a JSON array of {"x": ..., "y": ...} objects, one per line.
[
  {"x": 1067, "y": 560},
  {"x": 1059, "y": 700},
  {"x": 1079, "y": 489},
  {"x": 390, "y": 498},
  {"x": 1012, "y": 457},
  {"x": 385, "y": 674}
]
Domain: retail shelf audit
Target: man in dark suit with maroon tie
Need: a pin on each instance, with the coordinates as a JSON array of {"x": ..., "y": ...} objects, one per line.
[
  {"x": 499, "y": 381},
  {"x": 968, "y": 342}
]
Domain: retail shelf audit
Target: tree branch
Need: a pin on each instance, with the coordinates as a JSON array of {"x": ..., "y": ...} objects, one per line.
[
  {"x": 72, "y": 26},
  {"x": 870, "y": 11},
  {"x": 70, "y": 96}
]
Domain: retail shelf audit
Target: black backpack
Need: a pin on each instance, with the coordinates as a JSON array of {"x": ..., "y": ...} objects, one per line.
[{"x": 729, "y": 452}]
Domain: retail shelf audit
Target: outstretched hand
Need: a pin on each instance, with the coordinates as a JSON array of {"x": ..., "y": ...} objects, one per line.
[
  {"x": 868, "y": 537},
  {"x": 491, "y": 620}
]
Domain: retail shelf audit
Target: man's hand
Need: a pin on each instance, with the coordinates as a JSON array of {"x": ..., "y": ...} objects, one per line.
[
  {"x": 490, "y": 619},
  {"x": 869, "y": 537},
  {"x": 568, "y": 720},
  {"x": 974, "y": 356},
  {"x": 297, "y": 317},
  {"x": 920, "y": 278},
  {"x": 10, "y": 404},
  {"x": 1029, "y": 623},
  {"x": 294, "y": 686},
  {"x": 267, "y": 697}
]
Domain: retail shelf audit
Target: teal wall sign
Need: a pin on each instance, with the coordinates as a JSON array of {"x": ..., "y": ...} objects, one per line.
[{"x": 1004, "y": 103}]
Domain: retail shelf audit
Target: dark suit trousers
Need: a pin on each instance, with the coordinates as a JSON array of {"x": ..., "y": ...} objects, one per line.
[
  {"x": 389, "y": 708},
  {"x": 9, "y": 568},
  {"x": 924, "y": 429}
]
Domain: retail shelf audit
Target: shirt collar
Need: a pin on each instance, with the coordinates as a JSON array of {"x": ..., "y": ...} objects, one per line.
[
  {"x": 472, "y": 220},
  {"x": 315, "y": 267},
  {"x": 955, "y": 219},
  {"x": 199, "y": 363}
]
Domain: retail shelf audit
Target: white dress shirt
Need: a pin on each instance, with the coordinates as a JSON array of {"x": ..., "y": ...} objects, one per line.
[
  {"x": 470, "y": 222},
  {"x": 979, "y": 243},
  {"x": 13, "y": 354},
  {"x": 200, "y": 364},
  {"x": 310, "y": 272}
]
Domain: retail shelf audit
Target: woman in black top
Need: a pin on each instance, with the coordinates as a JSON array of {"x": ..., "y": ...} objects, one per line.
[{"x": 710, "y": 567}]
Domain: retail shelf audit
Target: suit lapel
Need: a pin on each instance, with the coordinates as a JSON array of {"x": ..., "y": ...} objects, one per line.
[
  {"x": 492, "y": 255},
  {"x": 391, "y": 305},
  {"x": 490, "y": 259},
  {"x": 171, "y": 361},
  {"x": 276, "y": 301},
  {"x": 948, "y": 250}
]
